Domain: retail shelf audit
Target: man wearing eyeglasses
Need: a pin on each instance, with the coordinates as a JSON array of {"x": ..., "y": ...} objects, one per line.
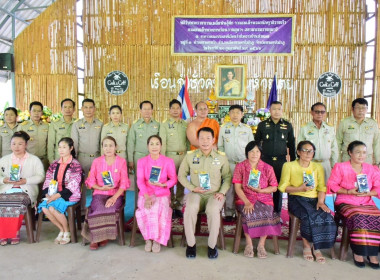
[
  {"x": 322, "y": 135},
  {"x": 358, "y": 127}
]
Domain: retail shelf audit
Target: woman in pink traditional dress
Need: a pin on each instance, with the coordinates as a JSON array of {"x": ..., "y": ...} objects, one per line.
[
  {"x": 255, "y": 203},
  {"x": 107, "y": 199},
  {"x": 356, "y": 208},
  {"x": 154, "y": 215}
]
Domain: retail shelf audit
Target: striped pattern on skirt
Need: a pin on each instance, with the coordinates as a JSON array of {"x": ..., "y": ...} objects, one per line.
[
  {"x": 363, "y": 224},
  {"x": 155, "y": 223},
  {"x": 100, "y": 222}
]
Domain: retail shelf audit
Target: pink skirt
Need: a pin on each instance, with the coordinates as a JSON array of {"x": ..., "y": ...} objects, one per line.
[{"x": 155, "y": 223}]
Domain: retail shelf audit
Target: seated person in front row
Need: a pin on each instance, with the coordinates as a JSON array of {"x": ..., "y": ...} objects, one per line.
[
  {"x": 20, "y": 174},
  {"x": 210, "y": 179},
  {"x": 355, "y": 206},
  {"x": 304, "y": 181},
  {"x": 255, "y": 182},
  {"x": 156, "y": 174},
  {"x": 62, "y": 188},
  {"x": 109, "y": 179}
]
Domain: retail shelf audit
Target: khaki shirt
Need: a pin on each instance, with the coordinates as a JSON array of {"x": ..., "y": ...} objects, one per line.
[
  {"x": 86, "y": 137},
  {"x": 368, "y": 132},
  {"x": 37, "y": 144},
  {"x": 215, "y": 164},
  {"x": 233, "y": 140},
  {"x": 120, "y": 133},
  {"x": 5, "y": 138},
  {"x": 173, "y": 135},
  {"x": 138, "y": 135},
  {"x": 323, "y": 139},
  {"x": 57, "y": 130}
]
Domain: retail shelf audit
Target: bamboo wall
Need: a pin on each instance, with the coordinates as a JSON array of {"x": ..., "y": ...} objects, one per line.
[
  {"x": 376, "y": 84},
  {"x": 46, "y": 58},
  {"x": 134, "y": 36}
]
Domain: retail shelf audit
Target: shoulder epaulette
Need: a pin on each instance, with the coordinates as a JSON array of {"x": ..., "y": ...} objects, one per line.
[
  {"x": 223, "y": 124},
  {"x": 76, "y": 120},
  {"x": 106, "y": 124},
  {"x": 24, "y": 123},
  {"x": 247, "y": 125},
  {"x": 305, "y": 124},
  {"x": 329, "y": 124},
  {"x": 221, "y": 153},
  {"x": 165, "y": 120},
  {"x": 190, "y": 152},
  {"x": 135, "y": 121},
  {"x": 1, "y": 123}
]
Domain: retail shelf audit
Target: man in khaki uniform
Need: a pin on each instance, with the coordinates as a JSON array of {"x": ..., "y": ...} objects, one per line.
[
  {"x": 322, "y": 135},
  {"x": 7, "y": 128},
  {"x": 175, "y": 145},
  {"x": 85, "y": 133},
  {"x": 214, "y": 169},
  {"x": 118, "y": 130},
  {"x": 358, "y": 127},
  {"x": 38, "y": 132},
  {"x": 60, "y": 128},
  {"x": 233, "y": 137},
  {"x": 139, "y": 133}
]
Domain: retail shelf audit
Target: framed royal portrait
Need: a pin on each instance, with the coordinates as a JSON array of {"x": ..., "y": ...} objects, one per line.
[{"x": 230, "y": 81}]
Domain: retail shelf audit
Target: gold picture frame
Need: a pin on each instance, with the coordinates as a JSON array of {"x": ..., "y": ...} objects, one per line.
[{"x": 230, "y": 81}]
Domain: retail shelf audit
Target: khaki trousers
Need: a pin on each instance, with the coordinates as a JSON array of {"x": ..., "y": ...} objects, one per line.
[
  {"x": 194, "y": 204},
  {"x": 229, "y": 210}
]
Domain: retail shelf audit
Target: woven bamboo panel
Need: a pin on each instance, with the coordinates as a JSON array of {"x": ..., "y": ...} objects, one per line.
[
  {"x": 46, "y": 58},
  {"x": 134, "y": 37},
  {"x": 376, "y": 96}
]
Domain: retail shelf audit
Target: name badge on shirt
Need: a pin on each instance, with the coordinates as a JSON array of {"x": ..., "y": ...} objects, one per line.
[
  {"x": 171, "y": 125},
  {"x": 196, "y": 160},
  {"x": 216, "y": 161},
  {"x": 228, "y": 131}
]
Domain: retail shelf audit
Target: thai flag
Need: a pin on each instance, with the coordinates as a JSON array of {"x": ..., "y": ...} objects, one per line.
[
  {"x": 184, "y": 98},
  {"x": 273, "y": 93}
]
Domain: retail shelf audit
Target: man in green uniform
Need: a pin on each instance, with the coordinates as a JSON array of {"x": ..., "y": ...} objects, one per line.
[
  {"x": 60, "y": 128},
  {"x": 358, "y": 127},
  {"x": 322, "y": 135},
  {"x": 175, "y": 145},
  {"x": 210, "y": 179},
  {"x": 85, "y": 133},
  {"x": 38, "y": 132},
  {"x": 277, "y": 136},
  {"x": 139, "y": 133},
  {"x": 233, "y": 137}
]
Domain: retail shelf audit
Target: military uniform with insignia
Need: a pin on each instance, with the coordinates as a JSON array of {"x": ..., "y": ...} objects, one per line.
[
  {"x": 5, "y": 138},
  {"x": 37, "y": 144},
  {"x": 120, "y": 133},
  {"x": 368, "y": 132},
  {"x": 233, "y": 140},
  {"x": 323, "y": 138},
  {"x": 86, "y": 138},
  {"x": 57, "y": 130},
  {"x": 137, "y": 137},
  {"x": 276, "y": 138},
  {"x": 216, "y": 168},
  {"x": 174, "y": 145}
]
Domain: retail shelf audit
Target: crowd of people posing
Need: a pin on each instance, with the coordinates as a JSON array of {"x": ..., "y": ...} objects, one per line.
[{"x": 51, "y": 167}]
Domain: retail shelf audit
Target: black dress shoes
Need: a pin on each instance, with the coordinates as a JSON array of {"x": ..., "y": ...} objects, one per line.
[
  {"x": 359, "y": 264},
  {"x": 373, "y": 265},
  {"x": 191, "y": 252},
  {"x": 212, "y": 253}
]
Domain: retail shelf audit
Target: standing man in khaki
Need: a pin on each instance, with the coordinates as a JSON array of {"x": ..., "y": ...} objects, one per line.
[
  {"x": 60, "y": 128},
  {"x": 210, "y": 179},
  {"x": 38, "y": 132},
  {"x": 233, "y": 137},
  {"x": 86, "y": 135},
  {"x": 201, "y": 121},
  {"x": 175, "y": 145},
  {"x": 139, "y": 133},
  {"x": 322, "y": 135},
  {"x": 358, "y": 127}
]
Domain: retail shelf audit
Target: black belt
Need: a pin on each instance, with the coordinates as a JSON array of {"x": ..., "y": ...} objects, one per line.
[{"x": 281, "y": 158}]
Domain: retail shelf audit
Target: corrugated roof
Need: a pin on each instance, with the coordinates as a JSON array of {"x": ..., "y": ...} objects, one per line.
[{"x": 22, "y": 13}]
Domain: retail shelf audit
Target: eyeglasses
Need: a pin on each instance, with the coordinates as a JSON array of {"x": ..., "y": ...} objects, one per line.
[
  {"x": 319, "y": 112},
  {"x": 361, "y": 108},
  {"x": 307, "y": 151}
]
